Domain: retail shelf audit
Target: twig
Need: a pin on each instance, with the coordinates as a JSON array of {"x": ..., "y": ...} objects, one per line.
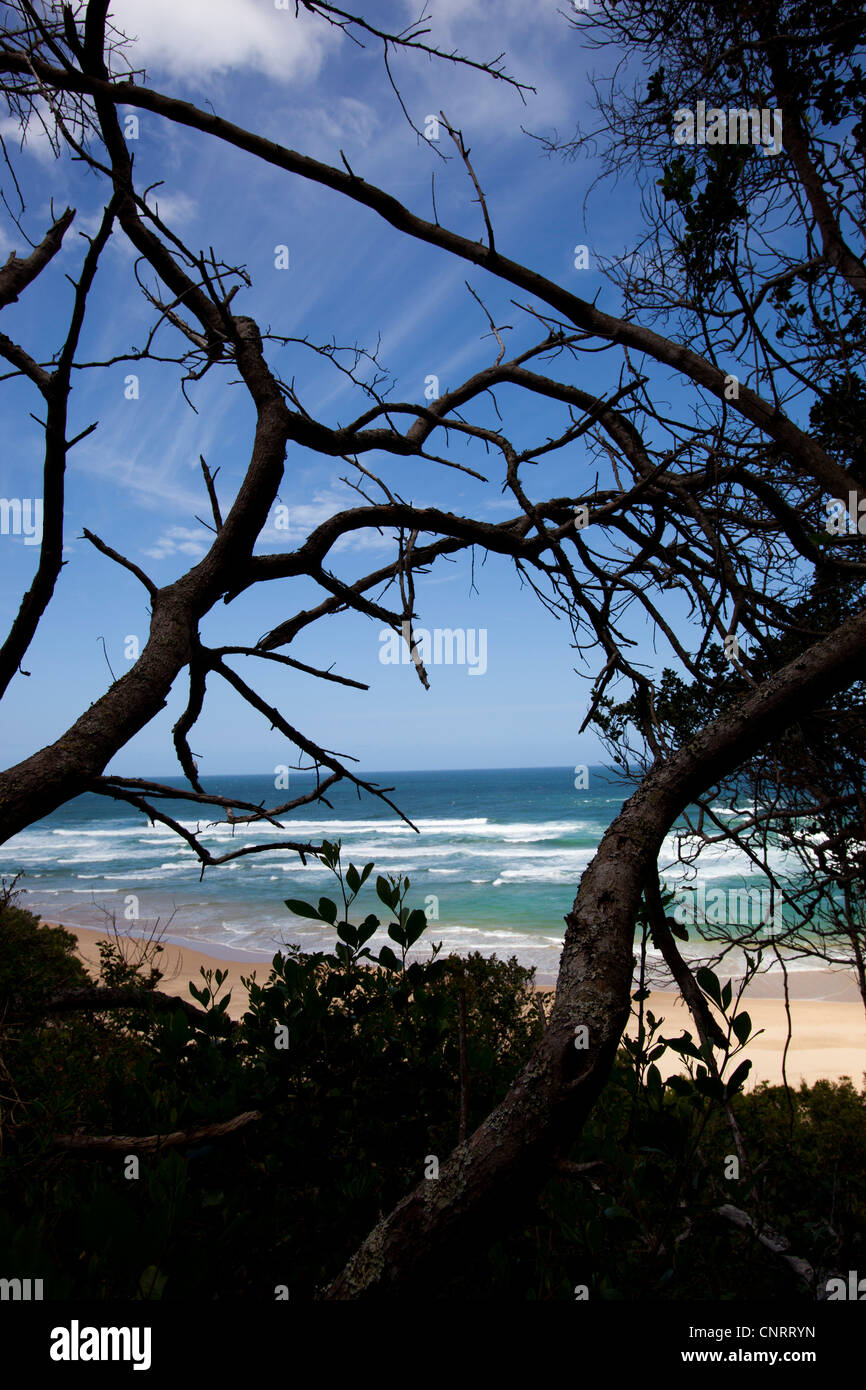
[
  {"x": 210, "y": 479},
  {"x": 457, "y": 137},
  {"x": 464, "y": 1068},
  {"x": 121, "y": 560},
  {"x": 152, "y": 1143},
  {"x": 770, "y": 1239}
]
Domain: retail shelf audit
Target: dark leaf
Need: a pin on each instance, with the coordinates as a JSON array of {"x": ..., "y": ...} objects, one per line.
[
  {"x": 386, "y": 893},
  {"x": 302, "y": 909},
  {"x": 739, "y": 1076},
  {"x": 367, "y": 929},
  {"x": 415, "y": 925},
  {"x": 388, "y": 959},
  {"x": 710, "y": 985}
]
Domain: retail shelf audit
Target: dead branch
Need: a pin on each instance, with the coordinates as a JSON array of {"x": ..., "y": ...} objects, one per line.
[
  {"x": 152, "y": 1143},
  {"x": 770, "y": 1239}
]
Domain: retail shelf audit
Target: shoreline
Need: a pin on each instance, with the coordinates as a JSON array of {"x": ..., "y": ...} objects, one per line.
[
  {"x": 828, "y": 1032},
  {"x": 829, "y": 983}
]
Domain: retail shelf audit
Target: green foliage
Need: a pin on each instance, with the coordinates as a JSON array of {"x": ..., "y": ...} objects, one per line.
[
  {"x": 354, "y": 1063},
  {"x": 116, "y": 969},
  {"x": 36, "y": 960},
  {"x": 709, "y": 213}
]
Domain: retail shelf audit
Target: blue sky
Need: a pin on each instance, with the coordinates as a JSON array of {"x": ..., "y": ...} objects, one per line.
[{"x": 135, "y": 481}]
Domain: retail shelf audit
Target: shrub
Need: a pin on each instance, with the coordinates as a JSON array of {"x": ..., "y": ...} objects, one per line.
[{"x": 363, "y": 1068}]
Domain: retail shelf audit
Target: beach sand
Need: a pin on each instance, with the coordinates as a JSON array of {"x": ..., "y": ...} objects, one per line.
[
  {"x": 828, "y": 1039},
  {"x": 180, "y": 965},
  {"x": 828, "y": 1020}
]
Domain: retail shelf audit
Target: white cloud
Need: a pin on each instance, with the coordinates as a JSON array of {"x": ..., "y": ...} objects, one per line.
[
  {"x": 343, "y": 120},
  {"x": 533, "y": 39},
  {"x": 304, "y": 517},
  {"x": 36, "y": 139},
  {"x": 178, "y": 540},
  {"x": 191, "y": 38},
  {"x": 175, "y": 209}
]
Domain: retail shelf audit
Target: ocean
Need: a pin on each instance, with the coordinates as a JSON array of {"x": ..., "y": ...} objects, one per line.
[{"x": 496, "y": 862}]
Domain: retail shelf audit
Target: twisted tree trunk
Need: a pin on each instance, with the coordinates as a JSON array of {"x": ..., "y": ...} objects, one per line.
[{"x": 548, "y": 1103}]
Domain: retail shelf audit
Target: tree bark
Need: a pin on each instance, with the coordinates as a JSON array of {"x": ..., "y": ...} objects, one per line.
[
  {"x": 152, "y": 1143},
  {"x": 508, "y": 1155}
]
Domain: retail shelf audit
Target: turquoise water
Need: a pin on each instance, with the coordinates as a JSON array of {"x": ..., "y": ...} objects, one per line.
[{"x": 496, "y": 863}]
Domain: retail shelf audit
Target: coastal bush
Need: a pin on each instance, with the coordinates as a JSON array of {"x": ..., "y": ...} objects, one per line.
[
  {"x": 364, "y": 1068},
  {"x": 36, "y": 961}
]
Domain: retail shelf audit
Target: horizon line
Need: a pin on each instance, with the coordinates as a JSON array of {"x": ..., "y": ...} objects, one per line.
[{"x": 389, "y": 772}]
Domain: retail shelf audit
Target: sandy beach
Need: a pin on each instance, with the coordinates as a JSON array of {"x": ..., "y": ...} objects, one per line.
[
  {"x": 828, "y": 1020},
  {"x": 181, "y": 965}
]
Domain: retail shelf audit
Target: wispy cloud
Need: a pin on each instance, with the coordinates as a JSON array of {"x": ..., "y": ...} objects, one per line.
[
  {"x": 198, "y": 38},
  {"x": 344, "y": 118},
  {"x": 35, "y": 138},
  {"x": 178, "y": 540},
  {"x": 303, "y": 517},
  {"x": 175, "y": 209}
]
